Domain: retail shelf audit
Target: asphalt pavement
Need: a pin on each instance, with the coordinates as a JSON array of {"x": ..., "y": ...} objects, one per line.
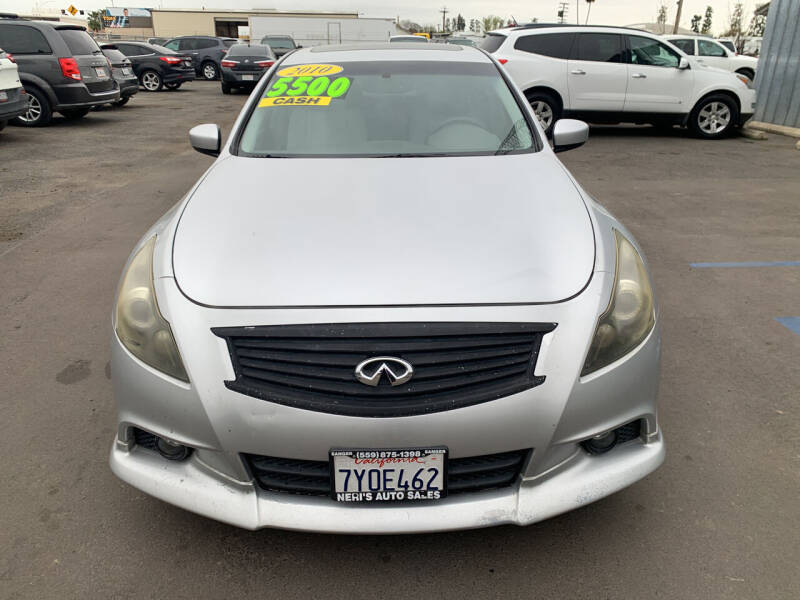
[{"x": 720, "y": 519}]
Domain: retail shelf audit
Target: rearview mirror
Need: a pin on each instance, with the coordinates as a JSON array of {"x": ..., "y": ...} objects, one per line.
[
  {"x": 684, "y": 63},
  {"x": 569, "y": 134},
  {"x": 206, "y": 138}
]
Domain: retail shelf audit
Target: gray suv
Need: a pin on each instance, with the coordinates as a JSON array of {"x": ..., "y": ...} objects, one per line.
[
  {"x": 206, "y": 52},
  {"x": 61, "y": 67}
]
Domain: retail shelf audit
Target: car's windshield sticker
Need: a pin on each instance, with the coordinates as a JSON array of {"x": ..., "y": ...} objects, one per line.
[{"x": 306, "y": 85}]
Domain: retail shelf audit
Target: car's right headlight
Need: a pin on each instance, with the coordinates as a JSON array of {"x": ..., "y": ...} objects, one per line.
[
  {"x": 630, "y": 314},
  {"x": 139, "y": 324}
]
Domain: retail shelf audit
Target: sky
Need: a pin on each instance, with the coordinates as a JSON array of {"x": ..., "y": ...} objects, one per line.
[{"x": 606, "y": 12}]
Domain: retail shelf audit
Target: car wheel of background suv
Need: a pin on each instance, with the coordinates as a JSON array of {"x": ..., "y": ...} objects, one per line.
[
  {"x": 39, "y": 111},
  {"x": 546, "y": 107},
  {"x": 209, "y": 71},
  {"x": 749, "y": 73},
  {"x": 713, "y": 117},
  {"x": 173, "y": 85},
  {"x": 151, "y": 81},
  {"x": 226, "y": 88}
]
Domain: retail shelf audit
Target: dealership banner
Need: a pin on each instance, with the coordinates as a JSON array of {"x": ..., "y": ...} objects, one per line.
[{"x": 115, "y": 17}]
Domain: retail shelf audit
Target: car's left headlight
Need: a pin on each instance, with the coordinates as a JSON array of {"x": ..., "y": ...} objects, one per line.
[
  {"x": 630, "y": 314},
  {"x": 139, "y": 324}
]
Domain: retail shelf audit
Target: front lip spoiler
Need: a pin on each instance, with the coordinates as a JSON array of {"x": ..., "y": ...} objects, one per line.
[{"x": 196, "y": 487}]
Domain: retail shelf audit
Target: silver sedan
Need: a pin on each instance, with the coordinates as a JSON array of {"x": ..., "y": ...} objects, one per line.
[{"x": 386, "y": 307}]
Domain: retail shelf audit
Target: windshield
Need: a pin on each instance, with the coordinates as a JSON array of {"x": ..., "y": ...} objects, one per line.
[
  {"x": 393, "y": 108},
  {"x": 275, "y": 42}
]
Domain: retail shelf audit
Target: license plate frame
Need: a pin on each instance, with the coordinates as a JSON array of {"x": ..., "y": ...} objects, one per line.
[
  {"x": 101, "y": 72},
  {"x": 127, "y": 71},
  {"x": 248, "y": 77},
  {"x": 412, "y": 462},
  {"x": 3, "y": 96}
]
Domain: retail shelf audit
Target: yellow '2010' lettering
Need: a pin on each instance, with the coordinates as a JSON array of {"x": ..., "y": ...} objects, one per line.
[{"x": 315, "y": 70}]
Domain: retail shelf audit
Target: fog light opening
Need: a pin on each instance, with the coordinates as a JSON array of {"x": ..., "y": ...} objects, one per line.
[
  {"x": 600, "y": 444},
  {"x": 171, "y": 450}
]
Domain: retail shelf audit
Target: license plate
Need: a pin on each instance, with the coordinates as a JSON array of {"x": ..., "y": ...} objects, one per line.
[
  {"x": 3, "y": 97},
  {"x": 389, "y": 475},
  {"x": 248, "y": 78},
  {"x": 100, "y": 71},
  {"x": 187, "y": 63},
  {"x": 126, "y": 71}
]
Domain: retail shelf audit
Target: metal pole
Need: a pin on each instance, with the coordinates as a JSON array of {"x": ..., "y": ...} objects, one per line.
[
  {"x": 678, "y": 17},
  {"x": 577, "y": 12}
]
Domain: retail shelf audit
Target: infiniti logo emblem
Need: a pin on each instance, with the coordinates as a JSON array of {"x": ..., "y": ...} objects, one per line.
[{"x": 396, "y": 370}]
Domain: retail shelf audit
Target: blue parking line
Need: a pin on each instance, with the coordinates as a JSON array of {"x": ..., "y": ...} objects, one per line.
[
  {"x": 791, "y": 323},
  {"x": 784, "y": 263}
]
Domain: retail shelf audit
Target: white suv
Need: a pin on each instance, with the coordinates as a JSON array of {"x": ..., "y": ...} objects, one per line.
[
  {"x": 714, "y": 54},
  {"x": 614, "y": 75}
]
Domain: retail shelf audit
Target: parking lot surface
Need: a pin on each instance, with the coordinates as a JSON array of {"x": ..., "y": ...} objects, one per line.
[{"x": 720, "y": 519}]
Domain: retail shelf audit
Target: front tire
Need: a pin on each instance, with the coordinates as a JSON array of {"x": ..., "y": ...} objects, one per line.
[
  {"x": 209, "y": 71},
  {"x": 151, "y": 81},
  {"x": 39, "y": 112},
  {"x": 75, "y": 113},
  {"x": 546, "y": 108},
  {"x": 714, "y": 117}
]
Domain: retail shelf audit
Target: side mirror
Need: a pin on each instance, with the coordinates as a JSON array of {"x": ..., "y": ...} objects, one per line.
[
  {"x": 684, "y": 63},
  {"x": 569, "y": 134},
  {"x": 206, "y": 138}
]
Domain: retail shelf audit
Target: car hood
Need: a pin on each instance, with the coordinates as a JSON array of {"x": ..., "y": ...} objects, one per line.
[{"x": 261, "y": 232}]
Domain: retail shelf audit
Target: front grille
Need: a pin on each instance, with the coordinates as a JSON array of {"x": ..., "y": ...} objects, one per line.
[
  {"x": 313, "y": 478},
  {"x": 455, "y": 364},
  {"x": 145, "y": 439},
  {"x": 100, "y": 86}
]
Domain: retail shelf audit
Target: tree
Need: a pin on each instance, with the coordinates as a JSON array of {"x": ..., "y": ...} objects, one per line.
[
  {"x": 95, "y": 22},
  {"x": 757, "y": 26},
  {"x": 706, "y": 28},
  {"x": 735, "y": 25},
  {"x": 696, "y": 23},
  {"x": 460, "y": 23},
  {"x": 661, "y": 17},
  {"x": 492, "y": 22},
  {"x": 410, "y": 26}
]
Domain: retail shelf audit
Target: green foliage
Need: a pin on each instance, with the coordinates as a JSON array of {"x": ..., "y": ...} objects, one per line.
[
  {"x": 492, "y": 22},
  {"x": 706, "y": 28},
  {"x": 696, "y": 23},
  {"x": 460, "y": 23},
  {"x": 95, "y": 20}
]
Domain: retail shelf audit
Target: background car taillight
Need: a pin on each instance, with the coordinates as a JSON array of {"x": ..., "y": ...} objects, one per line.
[
  {"x": 69, "y": 67},
  {"x": 171, "y": 60},
  {"x": 10, "y": 57},
  {"x": 265, "y": 63},
  {"x": 229, "y": 63}
]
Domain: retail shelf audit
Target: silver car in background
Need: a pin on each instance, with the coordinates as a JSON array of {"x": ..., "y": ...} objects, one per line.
[{"x": 386, "y": 307}]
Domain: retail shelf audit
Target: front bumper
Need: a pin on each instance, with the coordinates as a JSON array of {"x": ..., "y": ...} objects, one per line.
[
  {"x": 579, "y": 480},
  {"x": 552, "y": 418}
]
